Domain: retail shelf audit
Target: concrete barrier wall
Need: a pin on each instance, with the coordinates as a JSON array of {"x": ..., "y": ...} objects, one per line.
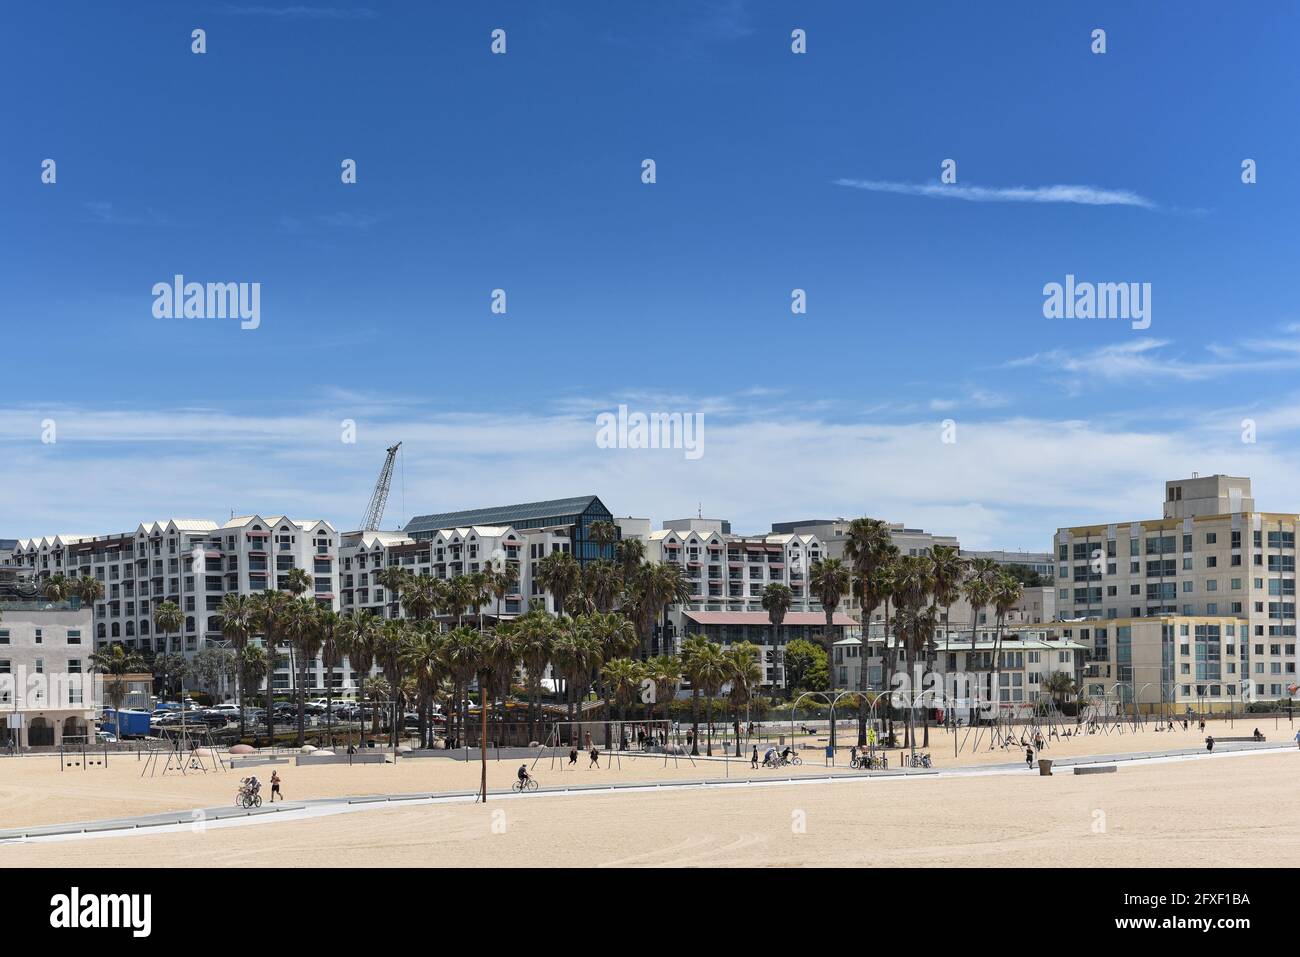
[
  {"x": 253, "y": 762},
  {"x": 303, "y": 759}
]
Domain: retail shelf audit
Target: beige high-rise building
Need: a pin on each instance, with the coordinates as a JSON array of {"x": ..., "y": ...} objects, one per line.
[{"x": 1211, "y": 555}]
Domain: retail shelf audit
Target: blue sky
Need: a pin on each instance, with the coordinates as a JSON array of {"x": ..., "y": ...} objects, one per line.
[{"x": 522, "y": 172}]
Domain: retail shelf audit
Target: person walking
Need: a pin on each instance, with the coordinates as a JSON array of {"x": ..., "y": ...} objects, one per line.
[
  {"x": 753, "y": 758},
  {"x": 275, "y": 786},
  {"x": 595, "y": 757},
  {"x": 1209, "y": 742},
  {"x": 1029, "y": 758}
]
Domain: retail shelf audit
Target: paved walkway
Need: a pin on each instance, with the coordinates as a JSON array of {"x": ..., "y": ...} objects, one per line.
[{"x": 296, "y": 810}]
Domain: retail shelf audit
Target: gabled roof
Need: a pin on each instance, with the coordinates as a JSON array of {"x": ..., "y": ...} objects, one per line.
[{"x": 503, "y": 514}]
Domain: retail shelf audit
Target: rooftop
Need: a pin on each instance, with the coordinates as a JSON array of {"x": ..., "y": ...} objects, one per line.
[{"x": 503, "y": 514}]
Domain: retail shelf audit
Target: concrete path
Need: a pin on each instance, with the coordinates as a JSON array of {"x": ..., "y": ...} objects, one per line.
[{"x": 225, "y": 816}]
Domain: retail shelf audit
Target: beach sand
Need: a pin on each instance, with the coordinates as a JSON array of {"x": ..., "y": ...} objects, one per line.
[{"x": 1239, "y": 810}]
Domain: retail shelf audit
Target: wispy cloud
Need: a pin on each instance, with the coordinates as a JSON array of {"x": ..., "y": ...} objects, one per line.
[
  {"x": 1082, "y": 195},
  {"x": 207, "y": 461},
  {"x": 107, "y": 214},
  {"x": 299, "y": 12},
  {"x": 1149, "y": 359}
]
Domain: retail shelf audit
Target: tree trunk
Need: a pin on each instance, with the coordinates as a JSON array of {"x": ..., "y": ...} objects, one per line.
[{"x": 695, "y": 719}]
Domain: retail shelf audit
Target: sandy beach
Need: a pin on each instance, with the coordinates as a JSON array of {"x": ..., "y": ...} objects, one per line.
[{"x": 1237, "y": 810}]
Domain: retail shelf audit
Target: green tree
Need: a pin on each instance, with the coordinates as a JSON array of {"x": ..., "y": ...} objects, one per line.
[
  {"x": 167, "y": 618},
  {"x": 236, "y": 617},
  {"x": 115, "y": 662},
  {"x": 745, "y": 674},
  {"x": 806, "y": 667}
]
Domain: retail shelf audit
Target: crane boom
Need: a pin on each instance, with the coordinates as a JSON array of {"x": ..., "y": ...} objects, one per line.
[{"x": 379, "y": 497}]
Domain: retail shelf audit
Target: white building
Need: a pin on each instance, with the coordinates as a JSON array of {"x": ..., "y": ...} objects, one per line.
[
  {"x": 47, "y": 692},
  {"x": 191, "y": 562},
  {"x": 444, "y": 554}
]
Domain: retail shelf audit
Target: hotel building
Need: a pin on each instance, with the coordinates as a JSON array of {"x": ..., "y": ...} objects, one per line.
[
  {"x": 191, "y": 562},
  {"x": 1211, "y": 574}
]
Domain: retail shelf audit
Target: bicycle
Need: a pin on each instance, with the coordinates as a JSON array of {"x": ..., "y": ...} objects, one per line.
[
  {"x": 793, "y": 759},
  {"x": 920, "y": 761},
  {"x": 248, "y": 799},
  {"x": 527, "y": 784}
]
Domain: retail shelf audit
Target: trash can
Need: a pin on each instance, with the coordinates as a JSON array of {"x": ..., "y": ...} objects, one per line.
[{"x": 1044, "y": 768}]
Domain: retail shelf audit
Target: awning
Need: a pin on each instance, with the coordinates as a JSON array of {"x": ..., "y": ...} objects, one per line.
[{"x": 760, "y": 618}]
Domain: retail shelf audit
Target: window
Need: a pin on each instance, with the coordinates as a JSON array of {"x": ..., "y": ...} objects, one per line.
[{"x": 74, "y": 636}]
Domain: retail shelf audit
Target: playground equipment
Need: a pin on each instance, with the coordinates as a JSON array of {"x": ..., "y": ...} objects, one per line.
[
  {"x": 615, "y": 739},
  {"x": 192, "y": 750},
  {"x": 82, "y": 758}
]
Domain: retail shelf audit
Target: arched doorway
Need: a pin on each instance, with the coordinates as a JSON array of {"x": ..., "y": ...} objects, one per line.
[
  {"x": 74, "y": 731},
  {"x": 40, "y": 733}
]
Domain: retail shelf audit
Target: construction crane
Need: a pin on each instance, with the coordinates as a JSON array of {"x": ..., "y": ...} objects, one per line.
[{"x": 379, "y": 497}]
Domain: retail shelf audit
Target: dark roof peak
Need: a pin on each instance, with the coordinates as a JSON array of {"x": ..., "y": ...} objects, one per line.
[{"x": 504, "y": 514}]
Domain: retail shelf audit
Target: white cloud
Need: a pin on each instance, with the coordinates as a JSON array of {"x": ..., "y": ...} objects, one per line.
[
  {"x": 1083, "y": 195},
  {"x": 1005, "y": 482}
]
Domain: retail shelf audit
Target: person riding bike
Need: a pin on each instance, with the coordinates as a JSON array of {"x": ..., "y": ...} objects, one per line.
[
  {"x": 523, "y": 773},
  {"x": 785, "y": 755}
]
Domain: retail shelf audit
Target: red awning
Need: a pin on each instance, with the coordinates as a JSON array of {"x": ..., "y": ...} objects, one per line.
[{"x": 760, "y": 618}]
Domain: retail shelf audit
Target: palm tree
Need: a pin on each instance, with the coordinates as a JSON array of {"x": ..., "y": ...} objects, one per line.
[
  {"x": 829, "y": 580},
  {"x": 55, "y": 588},
  {"x": 949, "y": 568},
  {"x": 665, "y": 671},
  {"x": 167, "y": 617},
  {"x": 1007, "y": 593},
  {"x": 692, "y": 654},
  {"x": 269, "y": 608},
  {"x": 296, "y": 581},
  {"x": 603, "y": 534},
  {"x": 115, "y": 661},
  {"x": 254, "y": 668},
  {"x": 777, "y": 599},
  {"x": 395, "y": 579},
  {"x": 913, "y": 584},
  {"x": 977, "y": 589},
  {"x": 301, "y": 628},
  {"x": 1060, "y": 685},
  {"x": 424, "y": 662},
  {"x": 623, "y": 678},
  {"x": 873, "y": 591},
  {"x": 419, "y": 593},
  {"x": 534, "y": 632},
  {"x": 502, "y": 582},
  {"x": 88, "y": 589},
  {"x": 711, "y": 668},
  {"x": 393, "y": 636},
  {"x": 560, "y": 575},
  {"x": 602, "y": 581},
  {"x": 745, "y": 674},
  {"x": 461, "y": 653},
  {"x": 460, "y": 593},
  {"x": 236, "y": 624},
  {"x": 575, "y": 654},
  {"x": 868, "y": 545},
  {"x": 329, "y": 625},
  {"x": 629, "y": 553},
  {"x": 497, "y": 661},
  {"x": 654, "y": 588}
]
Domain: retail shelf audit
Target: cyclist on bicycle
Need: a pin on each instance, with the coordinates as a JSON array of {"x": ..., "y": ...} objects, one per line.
[
  {"x": 785, "y": 755},
  {"x": 523, "y": 773}
]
